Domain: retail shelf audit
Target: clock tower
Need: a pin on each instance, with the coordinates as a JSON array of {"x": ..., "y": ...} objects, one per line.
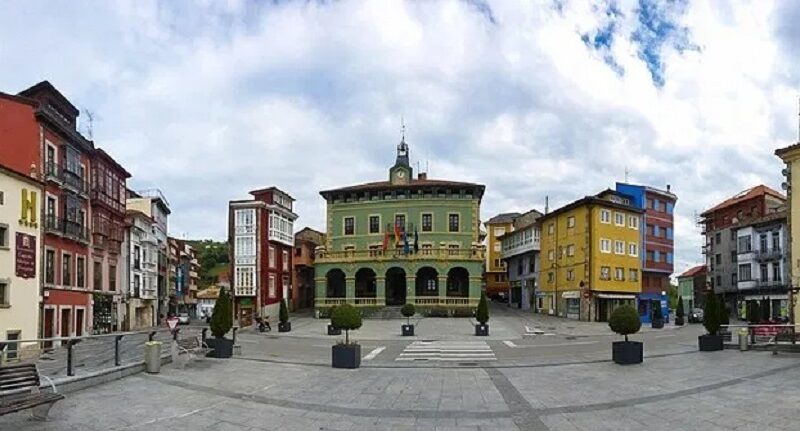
[{"x": 401, "y": 172}]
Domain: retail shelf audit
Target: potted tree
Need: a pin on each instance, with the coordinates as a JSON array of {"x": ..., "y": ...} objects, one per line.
[
  {"x": 482, "y": 316},
  {"x": 332, "y": 329},
  {"x": 625, "y": 321},
  {"x": 221, "y": 323},
  {"x": 284, "y": 325},
  {"x": 347, "y": 354},
  {"x": 712, "y": 341},
  {"x": 679, "y": 312},
  {"x": 407, "y": 311},
  {"x": 658, "y": 315}
]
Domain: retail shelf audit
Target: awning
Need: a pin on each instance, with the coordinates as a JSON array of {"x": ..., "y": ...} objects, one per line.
[
  {"x": 615, "y": 296},
  {"x": 571, "y": 295}
]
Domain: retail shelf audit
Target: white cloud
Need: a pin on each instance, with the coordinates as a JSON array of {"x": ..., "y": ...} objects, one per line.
[{"x": 212, "y": 100}]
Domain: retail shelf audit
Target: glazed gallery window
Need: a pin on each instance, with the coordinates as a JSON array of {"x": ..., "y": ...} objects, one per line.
[
  {"x": 745, "y": 272},
  {"x": 245, "y": 276},
  {"x": 245, "y": 221},
  {"x": 453, "y": 224},
  {"x": 374, "y": 224},
  {"x": 349, "y": 225},
  {"x": 427, "y": 222}
]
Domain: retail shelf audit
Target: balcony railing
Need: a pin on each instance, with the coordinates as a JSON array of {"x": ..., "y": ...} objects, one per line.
[
  {"x": 771, "y": 284},
  {"x": 379, "y": 302},
  {"x": 64, "y": 227},
  {"x": 475, "y": 253},
  {"x": 769, "y": 254},
  {"x": 52, "y": 172}
]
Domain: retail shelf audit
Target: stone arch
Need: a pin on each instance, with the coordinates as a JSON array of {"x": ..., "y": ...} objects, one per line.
[
  {"x": 458, "y": 282},
  {"x": 336, "y": 286},
  {"x": 366, "y": 283},
  {"x": 427, "y": 281},
  {"x": 395, "y": 286}
]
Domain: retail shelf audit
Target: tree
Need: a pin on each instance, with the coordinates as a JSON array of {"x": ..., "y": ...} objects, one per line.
[
  {"x": 407, "y": 311},
  {"x": 283, "y": 313},
  {"x": 679, "y": 311},
  {"x": 711, "y": 314},
  {"x": 221, "y": 318},
  {"x": 346, "y": 317},
  {"x": 482, "y": 314},
  {"x": 625, "y": 321}
]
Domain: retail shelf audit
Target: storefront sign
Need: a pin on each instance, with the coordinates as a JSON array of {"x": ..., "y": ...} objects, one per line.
[
  {"x": 28, "y": 209},
  {"x": 26, "y": 255}
]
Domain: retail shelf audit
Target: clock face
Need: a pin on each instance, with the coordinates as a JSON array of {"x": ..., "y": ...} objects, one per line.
[{"x": 401, "y": 174}]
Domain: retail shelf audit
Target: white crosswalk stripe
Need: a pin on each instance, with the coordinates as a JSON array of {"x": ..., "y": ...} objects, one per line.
[{"x": 466, "y": 351}]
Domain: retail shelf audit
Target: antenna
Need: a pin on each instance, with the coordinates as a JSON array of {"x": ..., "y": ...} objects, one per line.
[{"x": 90, "y": 123}]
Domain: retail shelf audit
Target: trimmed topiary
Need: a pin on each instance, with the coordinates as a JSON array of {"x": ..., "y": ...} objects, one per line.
[
  {"x": 348, "y": 318},
  {"x": 222, "y": 317},
  {"x": 625, "y": 321},
  {"x": 679, "y": 311},
  {"x": 658, "y": 314},
  {"x": 283, "y": 313},
  {"x": 407, "y": 311},
  {"x": 711, "y": 314},
  {"x": 482, "y": 315}
]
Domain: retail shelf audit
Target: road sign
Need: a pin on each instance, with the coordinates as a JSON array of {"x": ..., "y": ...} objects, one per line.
[
  {"x": 586, "y": 294},
  {"x": 172, "y": 322}
]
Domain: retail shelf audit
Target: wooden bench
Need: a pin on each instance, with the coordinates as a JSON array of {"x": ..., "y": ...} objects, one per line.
[
  {"x": 191, "y": 348},
  {"x": 19, "y": 390}
]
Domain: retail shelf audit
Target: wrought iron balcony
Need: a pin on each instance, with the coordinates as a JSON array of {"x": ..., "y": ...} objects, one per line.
[
  {"x": 52, "y": 172},
  {"x": 67, "y": 228},
  {"x": 769, "y": 254},
  {"x": 474, "y": 253},
  {"x": 771, "y": 284}
]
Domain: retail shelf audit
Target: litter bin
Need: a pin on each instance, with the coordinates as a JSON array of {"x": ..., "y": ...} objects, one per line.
[
  {"x": 743, "y": 339},
  {"x": 152, "y": 356}
]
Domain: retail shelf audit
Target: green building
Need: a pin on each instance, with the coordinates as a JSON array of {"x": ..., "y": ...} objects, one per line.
[{"x": 405, "y": 240}]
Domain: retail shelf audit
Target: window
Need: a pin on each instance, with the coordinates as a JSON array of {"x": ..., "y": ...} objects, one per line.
[
  {"x": 4, "y": 235},
  {"x": 733, "y": 235},
  {"x": 499, "y": 231},
  {"x": 719, "y": 281},
  {"x": 1, "y": 198},
  {"x": 762, "y": 242},
  {"x": 498, "y": 246},
  {"x": 400, "y": 221},
  {"x": 656, "y": 231},
  {"x": 619, "y": 247},
  {"x": 136, "y": 284},
  {"x": 112, "y": 278},
  {"x": 619, "y": 274},
  {"x": 571, "y": 250},
  {"x": 733, "y": 256},
  {"x": 718, "y": 237},
  {"x": 633, "y": 222},
  {"x": 12, "y": 348},
  {"x": 272, "y": 256},
  {"x": 745, "y": 272},
  {"x": 570, "y": 274},
  {"x": 427, "y": 222},
  {"x": 733, "y": 279},
  {"x": 550, "y": 277},
  {"x": 650, "y": 203},
  {"x": 605, "y": 273},
  {"x": 605, "y": 216},
  {"x": 137, "y": 257},
  {"x": 551, "y": 255},
  {"x": 551, "y": 228},
  {"x": 650, "y": 256},
  {"x": 80, "y": 271},
  {"x": 285, "y": 256},
  {"x": 519, "y": 267},
  {"x": 349, "y": 225},
  {"x": 245, "y": 276},
  {"x": 453, "y": 225},
  {"x": 633, "y": 275},
  {"x": 670, "y": 208},
  {"x": 98, "y": 276},
  {"x": 570, "y": 221},
  {"x": 763, "y": 272},
  {"x": 670, "y": 234},
  {"x": 776, "y": 272},
  {"x": 619, "y": 219},
  {"x": 656, "y": 256},
  {"x": 718, "y": 259},
  {"x": 5, "y": 296},
  {"x": 374, "y": 224},
  {"x": 66, "y": 270},
  {"x": 776, "y": 241},
  {"x": 745, "y": 244},
  {"x": 605, "y": 245},
  {"x": 50, "y": 267},
  {"x": 272, "y": 289},
  {"x": 245, "y": 221},
  {"x": 633, "y": 249},
  {"x": 669, "y": 258}
]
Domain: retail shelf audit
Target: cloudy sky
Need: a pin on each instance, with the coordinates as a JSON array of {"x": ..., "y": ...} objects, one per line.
[{"x": 532, "y": 98}]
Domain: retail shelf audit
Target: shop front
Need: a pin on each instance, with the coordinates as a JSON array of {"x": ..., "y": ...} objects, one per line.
[
  {"x": 647, "y": 302},
  {"x": 606, "y": 303},
  {"x": 774, "y": 306},
  {"x": 572, "y": 304},
  {"x": 104, "y": 314},
  {"x": 245, "y": 310}
]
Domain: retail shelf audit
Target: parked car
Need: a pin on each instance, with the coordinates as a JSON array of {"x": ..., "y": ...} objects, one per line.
[
  {"x": 183, "y": 318},
  {"x": 696, "y": 315}
]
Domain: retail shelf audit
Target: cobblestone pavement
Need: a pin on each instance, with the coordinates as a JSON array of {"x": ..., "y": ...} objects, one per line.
[{"x": 709, "y": 391}]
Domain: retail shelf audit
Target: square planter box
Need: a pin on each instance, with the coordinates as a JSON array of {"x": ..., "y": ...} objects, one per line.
[
  {"x": 627, "y": 352},
  {"x": 482, "y": 330},
  {"x": 679, "y": 321},
  {"x": 285, "y": 327},
  {"x": 332, "y": 330},
  {"x": 408, "y": 330},
  {"x": 223, "y": 347},
  {"x": 346, "y": 356},
  {"x": 710, "y": 343},
  {"x": 657, "y": 324}
]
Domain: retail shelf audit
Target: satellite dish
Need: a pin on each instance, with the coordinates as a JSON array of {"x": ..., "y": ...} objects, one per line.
[{"x": 785, "y": 186}]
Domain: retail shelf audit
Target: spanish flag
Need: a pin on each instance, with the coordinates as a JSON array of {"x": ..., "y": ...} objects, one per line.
[
  {"x": 396, "y": 234},
  {"x": 385, "y": 240}
]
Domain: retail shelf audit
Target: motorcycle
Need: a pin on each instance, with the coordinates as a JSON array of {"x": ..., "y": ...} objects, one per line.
[{"x": 263, "y": 325}]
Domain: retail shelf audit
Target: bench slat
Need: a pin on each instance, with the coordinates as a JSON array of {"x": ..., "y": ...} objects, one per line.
[
  {"x": 17, "y": 381},
  {"x": 28, "y": 403}
]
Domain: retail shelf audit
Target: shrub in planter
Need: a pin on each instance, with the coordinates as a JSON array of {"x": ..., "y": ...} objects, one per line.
[
  {"x": 283, "y": 318},
  {"x": 221, "y": 323},
  {"x": 346, "y": 355},
  {"x": 482, "y": 316},
  {"x": 711, "y": 321},
  {"x": 679, "y": 312},
  {"x": 407, "y": 311},
  {"x": 658, "y": 315},
  {"x": 625, "y": 321}
]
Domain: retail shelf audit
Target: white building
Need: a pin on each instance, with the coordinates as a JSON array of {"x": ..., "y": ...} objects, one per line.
[
  {"x": 154, "y": 205},
  {"x": 140, "y": 259},
  {"x": 761, "y": 265},
  {"x": 520, "y": 252},
  {"x": 20, "y": 257}
]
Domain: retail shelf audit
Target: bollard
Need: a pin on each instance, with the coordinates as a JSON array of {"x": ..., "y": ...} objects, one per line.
[
  {"x": 151, "y": 335},
  {"x": 70, "y": 371},
  {"x": 743, "y": 340},
  {"x": 234, "y": 334},
  {"x": 117, "y": 340}
]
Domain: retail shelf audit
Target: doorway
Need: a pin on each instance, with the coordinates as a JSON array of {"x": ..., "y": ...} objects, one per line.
[
  {"x": 49, "y": 320},
  {"x": 79, "y": 322},
  {"x": 395, "y": 286},
  {"x": 65, "y": 324}
]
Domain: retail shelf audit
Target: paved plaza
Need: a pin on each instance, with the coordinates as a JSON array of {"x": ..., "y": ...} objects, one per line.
[{"x": 445, "y": 378}]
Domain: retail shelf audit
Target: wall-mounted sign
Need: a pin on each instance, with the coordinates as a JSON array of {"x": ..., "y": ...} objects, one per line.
[
  {"x": 28, "y": 209},
  {"x": 26, "y": 255}
]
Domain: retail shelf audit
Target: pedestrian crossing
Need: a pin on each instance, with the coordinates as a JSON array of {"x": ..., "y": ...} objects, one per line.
[{"x": 466, "y": 351}]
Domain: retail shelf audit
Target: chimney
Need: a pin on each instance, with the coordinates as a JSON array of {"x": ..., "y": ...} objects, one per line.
[
  {"x": 668, "y": 187},
  {"x": 422, "y": 176}
]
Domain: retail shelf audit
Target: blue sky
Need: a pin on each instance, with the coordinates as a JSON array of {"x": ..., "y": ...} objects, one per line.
[{"x": 535, "y": 99}]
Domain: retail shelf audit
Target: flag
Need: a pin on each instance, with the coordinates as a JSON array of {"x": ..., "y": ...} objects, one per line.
[
  {"x": 416, "y": 241},
  {"x": 396, "y": 233},
  {"x": 405, "y": 244},
  {"x": 385, "y": 240}
]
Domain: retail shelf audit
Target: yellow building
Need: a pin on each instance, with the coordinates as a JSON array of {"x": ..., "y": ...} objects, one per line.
[
  {"x": 791, "y": 156},
  {"x": 20, "y": 261},
  {"x": 495, "y": 274},
  {"x": 590, "y": 257}
]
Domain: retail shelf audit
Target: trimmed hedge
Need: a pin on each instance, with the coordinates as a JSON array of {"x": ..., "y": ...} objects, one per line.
[
  {"x": 482, "y": 314},
  {"x": 348, "y": 318}
]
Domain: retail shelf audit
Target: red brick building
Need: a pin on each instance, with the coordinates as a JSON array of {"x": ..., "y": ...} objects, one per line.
[{"x": 261, "y": 240}]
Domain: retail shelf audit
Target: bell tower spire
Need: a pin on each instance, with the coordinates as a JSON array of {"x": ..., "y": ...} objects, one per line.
[{"x": 401, "y": 172}]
